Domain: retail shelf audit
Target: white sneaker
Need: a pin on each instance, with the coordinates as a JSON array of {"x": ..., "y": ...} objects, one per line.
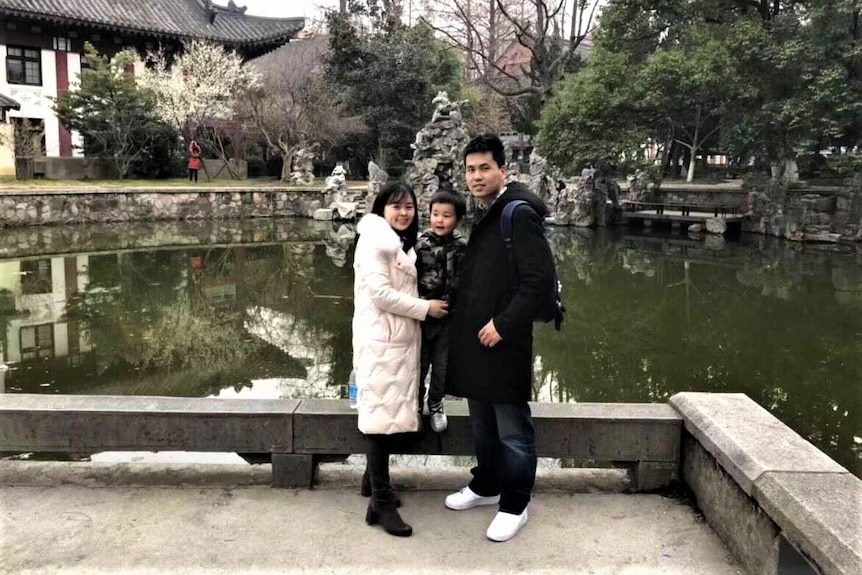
[
  {"x": 466, "y": 499},
  {"x": 505, "y": 526},
  {"x": 439, "y": 421}
]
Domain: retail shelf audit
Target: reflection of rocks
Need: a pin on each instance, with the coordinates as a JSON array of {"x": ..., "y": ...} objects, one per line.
[
  {"x": 639, "y": 263},
  {"x": 437, "y": 151},
  {"x": 31, "y": 241},
  {"x": 714, "y": 243},
  {"x": 848, "y": 285},
  {"x": 583, "y": 250},
  {"x": 338, "y": 243},
  {"x": 769, "y": 277},
  {"x": 299, "y": 340}
]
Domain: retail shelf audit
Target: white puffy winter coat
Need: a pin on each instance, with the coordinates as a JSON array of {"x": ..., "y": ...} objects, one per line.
[{"x": 386, "y": 332}]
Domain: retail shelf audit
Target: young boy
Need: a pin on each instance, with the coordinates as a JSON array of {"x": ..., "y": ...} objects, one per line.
[{"x": 440, "y": 251}]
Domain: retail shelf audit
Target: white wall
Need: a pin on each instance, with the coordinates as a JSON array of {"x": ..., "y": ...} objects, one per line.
[
  {"x": 74, "y": 67},
  {"x": 36, "y": 100}
]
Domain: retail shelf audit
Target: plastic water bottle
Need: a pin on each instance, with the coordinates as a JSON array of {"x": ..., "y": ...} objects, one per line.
[{"x": 351, "y": 390}]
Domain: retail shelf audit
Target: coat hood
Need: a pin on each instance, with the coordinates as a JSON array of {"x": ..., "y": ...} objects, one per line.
[{"x": 378, "y": 233}]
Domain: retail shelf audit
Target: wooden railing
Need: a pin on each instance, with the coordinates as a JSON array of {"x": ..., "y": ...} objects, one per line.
[{"x": 685, "y": 207}]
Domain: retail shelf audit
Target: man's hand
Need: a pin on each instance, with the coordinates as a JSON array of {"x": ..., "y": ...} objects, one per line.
[{"x": 488, "y": 335}]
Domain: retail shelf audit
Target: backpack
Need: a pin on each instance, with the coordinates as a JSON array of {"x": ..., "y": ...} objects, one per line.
[{"x": 552, "y": 302}]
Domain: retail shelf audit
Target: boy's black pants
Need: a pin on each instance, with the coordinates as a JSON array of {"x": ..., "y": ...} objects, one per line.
[{"x": 434, "y": 356}]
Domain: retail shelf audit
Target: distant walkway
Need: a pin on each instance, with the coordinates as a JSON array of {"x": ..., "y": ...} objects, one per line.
[{"x": 95, "y": 525}]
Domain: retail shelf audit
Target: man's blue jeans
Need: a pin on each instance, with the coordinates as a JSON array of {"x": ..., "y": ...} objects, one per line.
[{"x": 505, "y": 443}]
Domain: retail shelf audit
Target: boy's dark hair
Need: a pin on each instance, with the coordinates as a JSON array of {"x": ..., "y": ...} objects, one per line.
[
  {"x": 392, "y": 193},
  {"x": 449, "y": 197},
  {"x": 487, "y": 143}
]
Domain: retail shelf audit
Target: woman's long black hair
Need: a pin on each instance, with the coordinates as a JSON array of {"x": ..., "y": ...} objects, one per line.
[{"x": 392, "y": 193}]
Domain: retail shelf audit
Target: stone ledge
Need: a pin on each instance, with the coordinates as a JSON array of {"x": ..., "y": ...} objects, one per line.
[
  {"x": 328, "y": 476},
  {"x": 747, "y": 440},
  {"x": 820, "y": 513}
]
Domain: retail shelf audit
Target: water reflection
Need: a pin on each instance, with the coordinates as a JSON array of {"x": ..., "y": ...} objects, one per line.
[{"x": 262, "y": 309}]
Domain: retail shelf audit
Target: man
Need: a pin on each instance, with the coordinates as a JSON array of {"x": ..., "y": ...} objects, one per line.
[{"x": 491, "y": 351}]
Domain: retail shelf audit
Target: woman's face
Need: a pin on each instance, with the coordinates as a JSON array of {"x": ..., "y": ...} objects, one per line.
[{"x": 400, "y": 214}]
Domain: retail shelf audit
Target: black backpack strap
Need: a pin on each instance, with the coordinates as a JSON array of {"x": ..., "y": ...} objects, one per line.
[{"x": 506, "y": 232}]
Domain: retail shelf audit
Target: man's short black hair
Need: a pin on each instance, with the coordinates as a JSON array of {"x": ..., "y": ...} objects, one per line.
[
  {"x": 449, "y": 197},
  {"x": 487, "y": 143}
]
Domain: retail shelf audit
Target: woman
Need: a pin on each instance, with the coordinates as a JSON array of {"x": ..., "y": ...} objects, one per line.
[
  {"x": 194, "y": 161},
  {"x": 386, "y": 340}
]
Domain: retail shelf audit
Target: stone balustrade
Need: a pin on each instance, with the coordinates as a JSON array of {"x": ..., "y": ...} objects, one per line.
[{"x": 778, "y": 503}]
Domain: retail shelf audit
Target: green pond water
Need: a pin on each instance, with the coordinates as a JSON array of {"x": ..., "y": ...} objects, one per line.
[{"x": 262, "y": 308}]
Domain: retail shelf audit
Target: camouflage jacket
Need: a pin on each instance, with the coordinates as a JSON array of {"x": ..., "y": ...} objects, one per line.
[{"x": 438, "y": 264}]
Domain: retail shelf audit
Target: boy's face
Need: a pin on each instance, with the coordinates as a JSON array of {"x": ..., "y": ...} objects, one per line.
[
  {"x": 443, "y": 219},
  {"x": 484, "y": 177}
]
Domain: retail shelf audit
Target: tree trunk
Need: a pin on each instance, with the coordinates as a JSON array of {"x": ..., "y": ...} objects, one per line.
[
  {"x": 286, "y": 158},
  {"x": 691, "y": 162},
  {"x": 785, "y": 170},
  {"x": 492, "y": 33},
  {"x": 667, "y": 158}
]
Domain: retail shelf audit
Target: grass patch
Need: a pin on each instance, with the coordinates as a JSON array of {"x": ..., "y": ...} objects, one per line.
[{"x": 168, "y": 183}]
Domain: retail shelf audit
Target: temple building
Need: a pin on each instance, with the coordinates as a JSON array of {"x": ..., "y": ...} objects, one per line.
[{"x": 42, "y": 42}]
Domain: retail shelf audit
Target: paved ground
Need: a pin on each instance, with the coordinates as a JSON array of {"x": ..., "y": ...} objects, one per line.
[{"x": 75, "y": 519}]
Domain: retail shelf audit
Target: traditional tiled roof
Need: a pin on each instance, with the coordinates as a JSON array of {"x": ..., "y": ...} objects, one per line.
[
  {"x": 300, "y": 57},
  {"x": 6, "y": 102},
  {"x": 170, "y": 18}
]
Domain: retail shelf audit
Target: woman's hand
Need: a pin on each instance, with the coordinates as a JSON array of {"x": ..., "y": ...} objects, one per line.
[{"x": 438, "y": 308}]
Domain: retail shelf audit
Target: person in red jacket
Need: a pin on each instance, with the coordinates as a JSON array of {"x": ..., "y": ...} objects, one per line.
[{"x": 194, "y": 161}]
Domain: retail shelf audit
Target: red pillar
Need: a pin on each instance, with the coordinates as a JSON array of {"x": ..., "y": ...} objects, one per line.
[{"x": 62, "y": 60}]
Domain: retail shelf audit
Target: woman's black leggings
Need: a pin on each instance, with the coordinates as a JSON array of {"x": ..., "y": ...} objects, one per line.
[
  {"x": 193, "y": 175},
  {"x": 378, "y": 450}
]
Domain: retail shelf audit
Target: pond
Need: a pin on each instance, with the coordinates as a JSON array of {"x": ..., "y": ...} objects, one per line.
[{"x": 262, "y": 308}]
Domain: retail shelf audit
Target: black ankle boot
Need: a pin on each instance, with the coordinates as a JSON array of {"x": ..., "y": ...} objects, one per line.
[
  {"x": 388, "y": 517},
  {"x": 365, "y": 490}
]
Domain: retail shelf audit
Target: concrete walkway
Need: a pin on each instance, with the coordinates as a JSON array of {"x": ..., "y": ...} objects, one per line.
[{"x": 91, "y": 519}]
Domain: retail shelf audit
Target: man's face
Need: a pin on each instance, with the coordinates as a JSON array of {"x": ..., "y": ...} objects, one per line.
[{"x": 484, "y": 177}]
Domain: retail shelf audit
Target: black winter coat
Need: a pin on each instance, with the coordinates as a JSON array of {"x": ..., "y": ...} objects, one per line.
[{"x": 503, "y": 373}]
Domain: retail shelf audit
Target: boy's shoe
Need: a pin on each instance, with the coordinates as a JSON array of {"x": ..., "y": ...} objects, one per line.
[
  {"x": 466, "y": 499},
  {"x": 505, "y": 526},
  {"x": 439, "y": 421}
]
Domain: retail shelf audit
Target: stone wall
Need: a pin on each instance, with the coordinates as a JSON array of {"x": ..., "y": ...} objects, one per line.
[
  {"x": 126, "y": 205},
  {"x": 730, "y": 197}
]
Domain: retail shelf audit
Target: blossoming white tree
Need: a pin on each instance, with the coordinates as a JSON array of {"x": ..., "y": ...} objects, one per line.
[{"x": 199, "y": 91}]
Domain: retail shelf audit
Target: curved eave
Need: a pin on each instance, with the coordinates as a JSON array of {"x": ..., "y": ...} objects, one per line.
[
  {"x": 271, "y": 40},
  {"x": 7, "y": 103}
]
